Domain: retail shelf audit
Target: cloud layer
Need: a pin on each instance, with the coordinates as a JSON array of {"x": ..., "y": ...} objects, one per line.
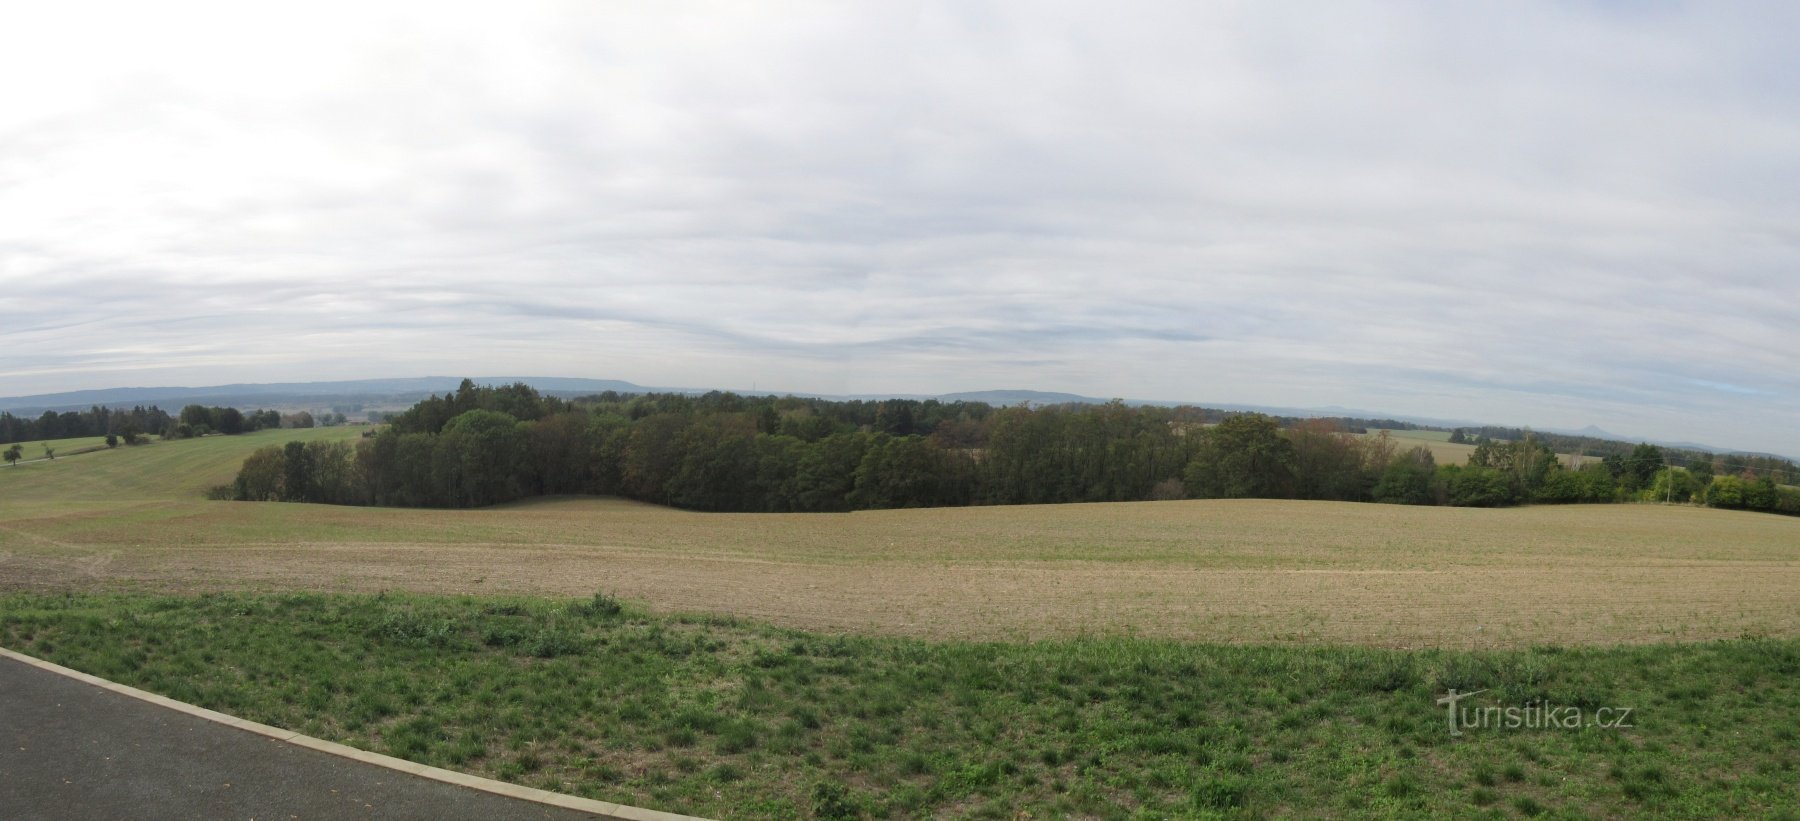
[{"x": 1550, "y": 214}]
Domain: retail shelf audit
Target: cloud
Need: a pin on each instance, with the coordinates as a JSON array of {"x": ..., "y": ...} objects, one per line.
[{"x": 1531, "y": 213}]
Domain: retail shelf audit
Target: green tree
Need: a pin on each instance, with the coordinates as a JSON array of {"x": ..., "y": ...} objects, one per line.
[
  {"x": 229, "y": 421},
  {"x": 198, "y": 418},
  {"x": 334, "y": 478},
  {"x": 1639, "y": 468},
  {"x": 715, "y": 470},
  {"x": 651, "y": 457},
  {"x": 1733, "y": 464},
  {"x": 1524, "y": 463},
  {"x": 825, "y": 474},
  {"x": 296, "y": 473},
  {"x": 261, "y": 477},
  {"x": 1761, "y": 494},
  {"x": 1244, "y": 456},
  {"x": 1725, "y": 491},
  {"x": 480, "y": 456},
  {"x": 1672, "y": 485},
  {"x": 1702, "y": 470},
  {"x": 561, "y": 454},
  {"x": 1328, "y": 464},
  {"x": 906, "y": 471},
  {"x": 1470, "y": 486},
  {"x": 13, "y": 454},
  {"x": 1410, "y": 479}
]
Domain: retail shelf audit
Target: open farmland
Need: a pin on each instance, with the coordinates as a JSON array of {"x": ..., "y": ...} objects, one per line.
[
  {"x": 157, "y": 470},
  {"x": 1231, "y": 571},
  {"x": 1454, "y": 453}
]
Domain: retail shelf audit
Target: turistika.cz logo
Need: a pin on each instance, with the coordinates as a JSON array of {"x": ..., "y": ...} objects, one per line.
[{"x": 1533, "y": 715}]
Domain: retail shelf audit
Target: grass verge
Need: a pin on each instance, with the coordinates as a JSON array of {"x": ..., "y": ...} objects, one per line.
[{"x": 724, "y": 718}]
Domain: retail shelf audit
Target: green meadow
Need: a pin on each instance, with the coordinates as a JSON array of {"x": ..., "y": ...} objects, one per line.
[{"x": 721, "y": 717}]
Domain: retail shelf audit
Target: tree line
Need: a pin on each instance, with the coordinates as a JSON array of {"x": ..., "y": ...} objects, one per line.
[
  {"x": 137, "y": 424},
  {"x": 98, "y": 420},
  {"x": 724, "y": 452},
  {"x": 1780, "y": 471}
]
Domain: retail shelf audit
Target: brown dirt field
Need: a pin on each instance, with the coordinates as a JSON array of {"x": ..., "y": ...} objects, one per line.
[{"x": 1230, "y": 571}]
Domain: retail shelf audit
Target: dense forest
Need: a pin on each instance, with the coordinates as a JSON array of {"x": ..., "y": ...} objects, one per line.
[{"x": 725, "y": 452}]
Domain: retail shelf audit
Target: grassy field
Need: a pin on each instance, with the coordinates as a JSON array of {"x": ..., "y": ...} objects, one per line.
[
  {"x": 155, "y": 471},
  {"x": 1225, "y": 571},
  {"x": 64, "y": 447},
  {"x": 732, "y": 719}
]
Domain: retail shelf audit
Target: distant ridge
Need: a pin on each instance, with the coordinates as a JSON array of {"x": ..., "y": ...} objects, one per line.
[{"x": 1020, "y": 396}]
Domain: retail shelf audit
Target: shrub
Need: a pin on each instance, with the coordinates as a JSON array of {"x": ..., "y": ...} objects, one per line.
[
  {"x": 551, "y": 642},
  {"x": 833, "y": 800},
  {"x": 410, "y": 629},
  {"x": 1221, "y": 793},
  {"x": 602, "y": 606}
]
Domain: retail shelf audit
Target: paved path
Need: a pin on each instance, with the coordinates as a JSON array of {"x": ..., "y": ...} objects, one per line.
[{"x": 69, "y": 749}]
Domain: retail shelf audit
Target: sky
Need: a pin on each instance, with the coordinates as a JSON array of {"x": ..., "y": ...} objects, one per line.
[{"x": 1544, "y": 214}]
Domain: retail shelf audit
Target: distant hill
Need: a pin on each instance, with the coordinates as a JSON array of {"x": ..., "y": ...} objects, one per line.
[{"x": 1019, "y": 396}]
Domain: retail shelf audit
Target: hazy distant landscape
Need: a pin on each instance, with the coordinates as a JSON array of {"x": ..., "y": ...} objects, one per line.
[{"x": 378, "y": 396}]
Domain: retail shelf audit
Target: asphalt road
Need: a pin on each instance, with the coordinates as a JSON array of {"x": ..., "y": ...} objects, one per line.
[{"x": 69, "y": 749}]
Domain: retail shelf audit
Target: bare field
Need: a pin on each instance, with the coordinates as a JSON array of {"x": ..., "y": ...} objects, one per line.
[{"x": 1231, "y": 571}]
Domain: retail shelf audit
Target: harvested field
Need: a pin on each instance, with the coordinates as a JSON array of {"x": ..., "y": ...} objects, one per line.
[
  {"x": 1222, "y": 571},
  {"x": 1231, "y": 571}
]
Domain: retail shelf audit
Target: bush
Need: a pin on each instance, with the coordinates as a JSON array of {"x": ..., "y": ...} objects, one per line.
[
  {"x": 1787, "y": 500},
  {"x": 410, "y": 629},
  {"x": 602, "y": 605},
  {"x": 551, "y": 642},
  {"x": 1476, "y": 487},
  {"x": 833, "y": 800},
  {"x": 1223, "y": 792},
  {"x": 1726, "y": 492},
  {"x": 1407, "y": 481}
]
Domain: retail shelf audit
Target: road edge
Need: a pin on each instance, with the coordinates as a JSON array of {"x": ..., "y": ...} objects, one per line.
[{"x": 604, "y": 809}]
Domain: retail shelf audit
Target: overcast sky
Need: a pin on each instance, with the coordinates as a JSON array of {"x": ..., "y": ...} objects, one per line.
[{"x": 1539, "y": 214}]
